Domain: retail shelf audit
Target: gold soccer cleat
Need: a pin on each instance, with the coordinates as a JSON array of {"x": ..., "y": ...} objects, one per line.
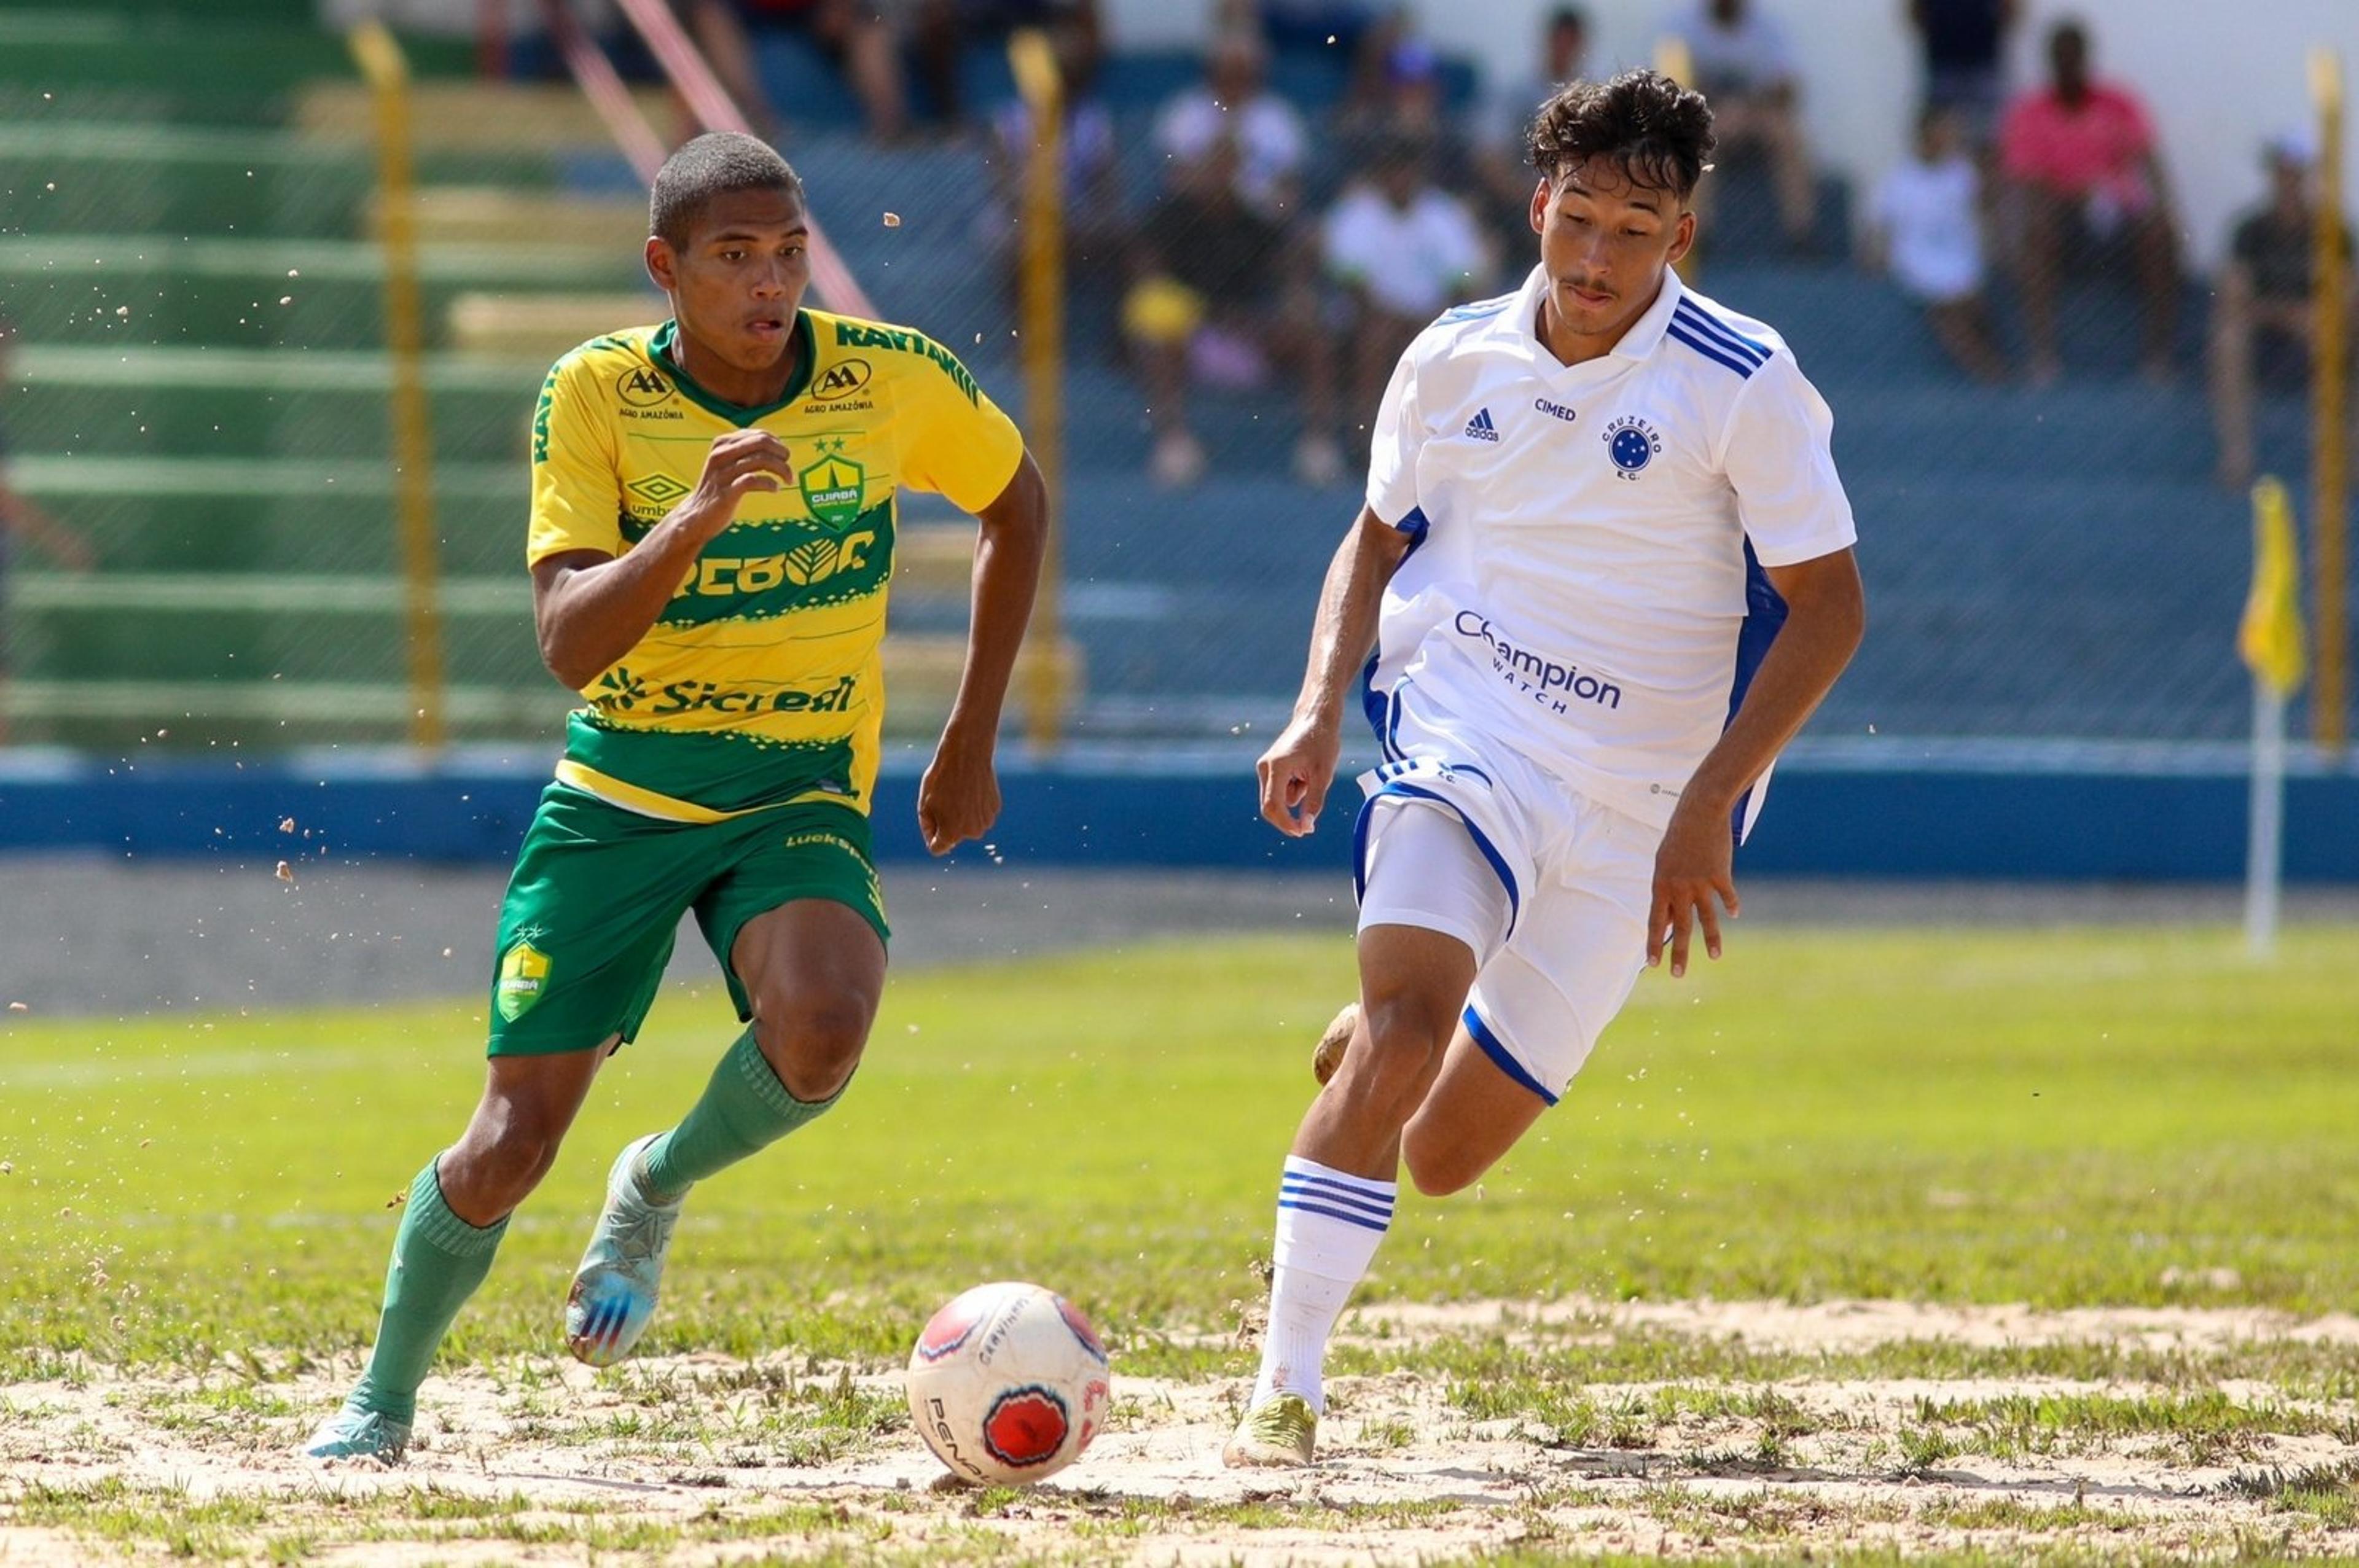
[
  {"x": 1280, "y": 1431},
  {"x": 1335, "y": 1041}
]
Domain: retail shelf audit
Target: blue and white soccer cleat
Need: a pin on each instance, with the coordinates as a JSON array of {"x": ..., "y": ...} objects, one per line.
[
  {"x": 356, "y": 1433},
  {"x": 613, "y": 1294}
]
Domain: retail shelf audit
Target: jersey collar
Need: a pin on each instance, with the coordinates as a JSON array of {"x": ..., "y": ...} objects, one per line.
[
  {"x": 1646, "y": 334},
  {"x": 660, "y": 350}
]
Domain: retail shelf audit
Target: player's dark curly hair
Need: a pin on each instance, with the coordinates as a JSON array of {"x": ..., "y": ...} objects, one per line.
[
  {"x": 715, "y": 164},
  {"x": 1656, "y": 132}
]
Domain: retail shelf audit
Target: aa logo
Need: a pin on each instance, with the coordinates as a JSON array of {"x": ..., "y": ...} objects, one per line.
[
  {"x": 642, "y": 387},
  {"x": 834, "y": 486},
  {"x": 524, "y": 981},
  {"x": 842, "y": 379}
]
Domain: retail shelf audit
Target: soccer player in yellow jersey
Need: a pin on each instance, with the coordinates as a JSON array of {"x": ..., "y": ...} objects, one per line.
[{"x": 712, "y": 538}]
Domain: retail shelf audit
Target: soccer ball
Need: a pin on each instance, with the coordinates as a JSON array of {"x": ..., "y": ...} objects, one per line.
[{"x": 1008, "y": 1384}]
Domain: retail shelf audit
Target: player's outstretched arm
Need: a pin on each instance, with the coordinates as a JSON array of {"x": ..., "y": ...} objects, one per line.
[
  {"x": 1300, "y": 763},
  {"x": 1826, "y": 613},
  {"x": 590, "y": 608},
  {"x": 958, "y": 797}
]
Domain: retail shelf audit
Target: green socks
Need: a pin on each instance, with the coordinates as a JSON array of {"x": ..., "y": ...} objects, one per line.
[
  {"x": 439, "y": 1259},
  {"x": 438, "y": 1262},
  {"x": 743, "y": 1110}
]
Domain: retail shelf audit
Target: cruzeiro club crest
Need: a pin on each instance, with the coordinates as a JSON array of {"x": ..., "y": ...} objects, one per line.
[
  {"x": 1632, "y": 443},
  {"x": 834, "y": 486},
  {"x": 524, "y": 979}
]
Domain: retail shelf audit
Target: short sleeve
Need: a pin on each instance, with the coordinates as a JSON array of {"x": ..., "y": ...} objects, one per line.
[
  {"x": 2139, "y": 124},
  {"x": 1279, "y": 131},
  {"x": 1344, "y": 239},
  {"x": 1884, "y": 211},
  {"x": 577, "y": 498},
  {"x": 1392, "y": 448},
  {"x": 1780, "y": 461},
  {"x": 1179, "y": 130},
  {"x": 957, "y": 443},
  {"x": 1461, "y": 243}
]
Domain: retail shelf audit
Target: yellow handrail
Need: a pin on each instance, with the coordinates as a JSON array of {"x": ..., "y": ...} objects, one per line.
[
  {"x": 1041, "y": 313},
  {"x": 2331, "y": 437},
  {"x": 381, "y": 62}
]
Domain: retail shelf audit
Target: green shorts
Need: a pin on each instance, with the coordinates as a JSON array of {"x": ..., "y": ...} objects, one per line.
[{"x": 597, "y": 895}]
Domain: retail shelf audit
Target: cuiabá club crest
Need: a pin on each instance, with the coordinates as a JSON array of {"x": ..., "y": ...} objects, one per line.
[{"x": 834, "y": 487}]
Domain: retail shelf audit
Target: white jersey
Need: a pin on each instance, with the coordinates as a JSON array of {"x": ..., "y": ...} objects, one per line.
[{"x": 1585, "y": 580}]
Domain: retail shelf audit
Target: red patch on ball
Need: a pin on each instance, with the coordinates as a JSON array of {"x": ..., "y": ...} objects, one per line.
[
  {"x": 1026, "y": 1426},
  {"x": 948, "y": 1328},
  {"x": 1080, "y": 1327}
]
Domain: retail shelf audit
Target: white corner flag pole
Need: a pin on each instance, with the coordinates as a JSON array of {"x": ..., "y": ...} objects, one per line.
[{"x": 2265, "y": 847}]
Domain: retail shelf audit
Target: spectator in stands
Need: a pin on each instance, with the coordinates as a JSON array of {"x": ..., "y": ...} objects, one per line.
[
  {"x": 1964, "y": 48},
  {"x": 1407, "y": 101},
  {"x": 1221, "y": 289},
  {"x": 1502, "y": 192},
  {"x": 1094, "y": 226},
  {"x": 1402, "y": 250},
  {"x": 1744, "y": 64},
  {"x": 1926, "y": 229},
  {"x": 22, "y": 519},
  {"x": 2266, "y": 297},
  {"x": 1508, "y": 106},
  {"x": 2081, "y": 157},
  {"x": 944, "y": 30},
  {"x": 852, "y": 34},
  {"x": 1232, "y": 110}
]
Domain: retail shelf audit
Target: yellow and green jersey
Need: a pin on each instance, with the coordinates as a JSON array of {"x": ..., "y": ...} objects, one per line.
[{"x": 760, "y": 684}]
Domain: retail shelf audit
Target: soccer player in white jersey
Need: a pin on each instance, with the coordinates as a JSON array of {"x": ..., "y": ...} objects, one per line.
[{"x": 1606, "y": 567}]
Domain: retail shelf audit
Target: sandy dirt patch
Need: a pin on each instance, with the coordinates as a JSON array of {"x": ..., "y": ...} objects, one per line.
[{"x": 707, "y": 1459}]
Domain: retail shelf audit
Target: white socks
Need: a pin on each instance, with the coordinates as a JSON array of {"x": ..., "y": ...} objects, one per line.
[{"x": 1328, "y": 1228}]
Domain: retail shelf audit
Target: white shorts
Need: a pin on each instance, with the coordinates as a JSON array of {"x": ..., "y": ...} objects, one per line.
[{"x": 1549, "y": 888}]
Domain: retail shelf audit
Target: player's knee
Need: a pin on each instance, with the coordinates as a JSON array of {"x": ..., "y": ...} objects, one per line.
[
  {"x": 489, "y": 1176},
  {"x": 1406, "y": 1035},
  {"x": 813, "y": 1041}
]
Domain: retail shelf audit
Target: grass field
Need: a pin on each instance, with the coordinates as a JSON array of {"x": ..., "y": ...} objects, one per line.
[{"x": 195, "y": 1214}]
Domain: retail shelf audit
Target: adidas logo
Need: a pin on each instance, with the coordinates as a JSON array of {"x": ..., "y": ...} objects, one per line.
[{"x": 1480, "y": 427}]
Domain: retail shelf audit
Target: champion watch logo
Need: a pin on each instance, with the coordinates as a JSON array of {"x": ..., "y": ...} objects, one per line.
[{"x": 1480, "y": 427}]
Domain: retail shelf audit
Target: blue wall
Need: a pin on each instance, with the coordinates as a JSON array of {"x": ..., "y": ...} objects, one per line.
[{"x": 2163, "y": 820}]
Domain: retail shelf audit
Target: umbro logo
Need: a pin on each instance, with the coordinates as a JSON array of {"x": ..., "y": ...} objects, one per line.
[{"x": 1480, "y": 427}]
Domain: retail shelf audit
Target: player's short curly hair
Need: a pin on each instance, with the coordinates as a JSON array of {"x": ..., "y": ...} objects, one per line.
[
  {"x": 715, "y": 164},
  {"x": 1656, "y": 132}
]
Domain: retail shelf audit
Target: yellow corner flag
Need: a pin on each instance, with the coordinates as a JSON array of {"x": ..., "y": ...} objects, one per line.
[{"x": 2271, "y": 637}]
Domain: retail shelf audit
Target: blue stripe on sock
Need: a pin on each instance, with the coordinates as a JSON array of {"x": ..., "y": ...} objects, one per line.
[
  {"x": 1310, "y": 1170},
  {"x": 1328, "y": 1195},
  {"x": 1360, "y": 1220}
]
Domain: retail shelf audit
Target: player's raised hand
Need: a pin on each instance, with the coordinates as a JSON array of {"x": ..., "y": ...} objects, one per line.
[
  {"x": 1296, "y": 772},
  {"x": 1693, "y": 865},
  {"x": 740, "y": 464}
]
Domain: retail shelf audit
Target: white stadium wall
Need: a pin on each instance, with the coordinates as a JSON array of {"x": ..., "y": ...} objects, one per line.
[{"x": 2222, "y": 78}]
